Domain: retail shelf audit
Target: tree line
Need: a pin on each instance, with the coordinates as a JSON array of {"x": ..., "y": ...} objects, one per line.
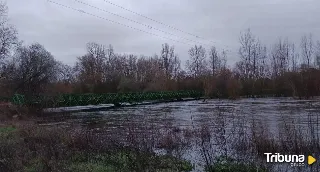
[{"x": 282, "y": 69}]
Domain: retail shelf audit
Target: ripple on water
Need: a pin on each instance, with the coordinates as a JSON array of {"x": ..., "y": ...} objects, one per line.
[{"x": 270, "y": 112}]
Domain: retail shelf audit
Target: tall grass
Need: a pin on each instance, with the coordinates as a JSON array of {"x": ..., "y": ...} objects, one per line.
[
  {"x": 240, "y": 145},
  {"x": 36, "y": 148}
]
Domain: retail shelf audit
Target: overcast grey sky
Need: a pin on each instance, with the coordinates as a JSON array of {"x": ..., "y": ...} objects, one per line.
[{"x": 65, "y": 33}]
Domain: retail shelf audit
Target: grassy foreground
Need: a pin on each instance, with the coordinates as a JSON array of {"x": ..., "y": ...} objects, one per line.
[{"x": 36, "y": 149}]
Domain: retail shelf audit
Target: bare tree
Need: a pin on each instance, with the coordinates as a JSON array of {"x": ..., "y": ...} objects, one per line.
[
  {"x": 307, "y": 48},
  {"x": 170, "y": 61},
  {"x": 247, "y": 53},
  {"x": 127, "y": 71},
  {"x": 214, "y": 60},
  {"x": 7, "y": 77},
  {"x": 197, "y": 63},
  {"x": 240, "y": 69},
  {"x": 131, "y": 66},
  {"x": 8, "y": 34},
  {"x": 8, "y": 39},
  {"x": 176, "y": 67},
  {"x": 280, "y": 57},
  {"x": 142, "y": 69},
  {"x": 223, "y": 59},
  {"x": 167, "y": 54},
  {"x": 65, "y": 73},
  {"x": 252, "y": 55},
  {"x": 318, "y": 54},
  {"x": 35, "y": 69},
  {"x": 110, "y": 65},
  {"x": 98, "y": 51},
  {"x": 101, "y": 64},
  {"x": 263, "y": 65},
  {"x": 294, "y": 57}
]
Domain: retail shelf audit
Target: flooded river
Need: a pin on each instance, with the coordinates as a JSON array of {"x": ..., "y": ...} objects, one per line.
[
  {"x": 195, "y": 113},
  {"x": 273, "y": 114}
]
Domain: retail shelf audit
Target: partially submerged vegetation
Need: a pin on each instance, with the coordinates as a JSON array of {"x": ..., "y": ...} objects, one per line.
[
  {"x": 7, "y": 129},
  {"x": 35, "y": 149},
  {"x": 67, "y": 100},
  {"x": 223, "y": 144},
  {"x": 226, "y": 164}
]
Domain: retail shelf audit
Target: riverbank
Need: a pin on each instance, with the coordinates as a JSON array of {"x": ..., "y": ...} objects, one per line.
[
  {"x": 26, "y": 146},
  {"x": 33, "y": 148}
]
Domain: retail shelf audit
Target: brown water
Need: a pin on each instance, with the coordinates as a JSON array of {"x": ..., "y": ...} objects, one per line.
[{"x": 270, "y": 112}]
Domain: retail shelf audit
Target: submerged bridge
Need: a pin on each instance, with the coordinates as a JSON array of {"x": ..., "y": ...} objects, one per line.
[{"x": 68, "y": 100}]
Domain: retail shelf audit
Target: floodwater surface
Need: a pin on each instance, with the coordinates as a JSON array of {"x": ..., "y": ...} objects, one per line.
[
  {"x": 196, "y": 113},
  {"x": 269, "y": 112}
]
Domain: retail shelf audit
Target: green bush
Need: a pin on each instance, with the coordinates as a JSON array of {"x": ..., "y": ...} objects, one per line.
[{"x": 230, "y": 165}]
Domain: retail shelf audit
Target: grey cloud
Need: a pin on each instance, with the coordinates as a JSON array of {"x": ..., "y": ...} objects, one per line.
[{"x": 65, "y": 33}]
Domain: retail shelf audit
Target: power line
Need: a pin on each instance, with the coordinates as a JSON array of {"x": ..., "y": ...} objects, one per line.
[
  {"x": 84, "y": 12},
  {"x": 169, "y": 26},
  {"x": 146, "y": 25}
]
